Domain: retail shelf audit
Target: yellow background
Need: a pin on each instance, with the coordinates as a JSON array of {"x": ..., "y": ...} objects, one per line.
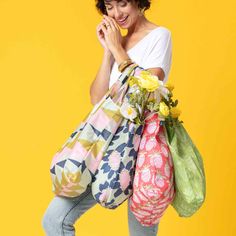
[{"x": 49, "y": 55}]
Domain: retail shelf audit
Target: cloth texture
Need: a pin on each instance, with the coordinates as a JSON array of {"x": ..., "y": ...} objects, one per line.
[
  {"x": 154, "y": 50},
  {"x": 153, "y": 186}
]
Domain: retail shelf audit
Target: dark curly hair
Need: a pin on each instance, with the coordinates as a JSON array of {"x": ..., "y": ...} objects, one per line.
[{"x": 142, "y": 4}]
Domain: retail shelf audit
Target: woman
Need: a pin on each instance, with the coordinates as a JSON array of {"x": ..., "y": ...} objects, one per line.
[{"x": 146, "y": 44}]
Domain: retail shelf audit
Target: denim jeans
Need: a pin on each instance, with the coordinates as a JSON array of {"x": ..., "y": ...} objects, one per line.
[{"x": 62, "y": 213}]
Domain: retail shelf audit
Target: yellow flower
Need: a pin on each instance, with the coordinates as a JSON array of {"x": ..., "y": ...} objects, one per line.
[
  {"x": 148, "y": 81},
  {"x": 169, "y": 86},
  {"x": 175, "y": 112},
  {"x": 145, "y": 72},
  {"x": 129, "y": 111},
  {"x": 164, "y": 109},
  {"x": 132, "y": 80}
]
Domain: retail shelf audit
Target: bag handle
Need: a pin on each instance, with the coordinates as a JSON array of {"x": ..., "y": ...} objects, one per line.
[
  {"x": 127, "y": 72},
  {"x": 122, "y": 79}
]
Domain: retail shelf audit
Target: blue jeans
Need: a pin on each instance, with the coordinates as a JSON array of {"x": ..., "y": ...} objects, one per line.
[{"x": 62, "y": 213}]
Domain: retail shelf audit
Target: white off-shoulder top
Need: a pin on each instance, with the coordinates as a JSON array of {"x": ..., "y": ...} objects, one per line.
[{"x": 153, "y": 50}]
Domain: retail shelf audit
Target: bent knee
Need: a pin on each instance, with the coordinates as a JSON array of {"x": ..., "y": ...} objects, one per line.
[
  {"x": 50, "y": 223},
  {"x": 45, "y": 222}
]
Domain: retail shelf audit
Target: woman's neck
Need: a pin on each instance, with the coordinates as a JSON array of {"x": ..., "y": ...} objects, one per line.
[{"x": 140, "y": 25}]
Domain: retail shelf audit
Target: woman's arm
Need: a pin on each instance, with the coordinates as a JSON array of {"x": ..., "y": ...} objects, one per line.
[
  {"x": 158, "y": 72},
  {"x": 100, "y": 85},
  {"x": 121, "y": 55}
]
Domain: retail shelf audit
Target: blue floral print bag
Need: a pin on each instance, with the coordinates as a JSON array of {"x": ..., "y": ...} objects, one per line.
[{"x": 113, "y": 180}]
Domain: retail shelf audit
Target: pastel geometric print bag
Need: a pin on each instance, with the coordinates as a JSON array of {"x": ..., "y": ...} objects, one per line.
[
  {"x": 75, "y": 163},
  {"x": 153, "y": 186}
]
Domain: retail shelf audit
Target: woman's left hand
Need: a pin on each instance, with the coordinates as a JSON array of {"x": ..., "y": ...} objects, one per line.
[{"x": 112, "y": 34}]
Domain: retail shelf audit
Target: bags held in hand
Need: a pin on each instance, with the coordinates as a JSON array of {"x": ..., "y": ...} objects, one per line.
[{"x": 190, "y": 183}]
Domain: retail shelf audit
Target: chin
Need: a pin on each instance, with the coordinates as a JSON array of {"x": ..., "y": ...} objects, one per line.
[{"x": 124, "y": 27}]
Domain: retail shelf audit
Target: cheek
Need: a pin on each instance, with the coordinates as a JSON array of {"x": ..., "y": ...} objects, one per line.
[
  {"x": 132, "y": 17},
  {"x": 133, "y": 13}
]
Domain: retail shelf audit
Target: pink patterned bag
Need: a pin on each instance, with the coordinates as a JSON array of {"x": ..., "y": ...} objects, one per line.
[{"x": 153, "y": 185}]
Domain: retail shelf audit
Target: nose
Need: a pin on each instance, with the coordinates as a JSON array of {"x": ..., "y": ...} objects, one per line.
[{"x": 117, "y": 13}]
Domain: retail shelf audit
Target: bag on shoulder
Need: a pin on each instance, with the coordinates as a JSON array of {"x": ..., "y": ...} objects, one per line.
[{"x": 75, "y": 163}]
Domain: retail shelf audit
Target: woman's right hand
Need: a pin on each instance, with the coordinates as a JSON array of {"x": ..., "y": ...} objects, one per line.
[{"x": 101, "y": 37}]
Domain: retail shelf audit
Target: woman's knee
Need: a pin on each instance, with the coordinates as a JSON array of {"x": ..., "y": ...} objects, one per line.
[
  {"x": 50, "y": 222},
  {"x": 44, "y": 222}
]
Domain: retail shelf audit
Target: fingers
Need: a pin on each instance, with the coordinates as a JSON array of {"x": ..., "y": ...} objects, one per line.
[
  {"x": 107, "y": 21},
  {"x": 115, "y": 24},
  {"x": 112, "y": 22},
  {"x": 104, "y": 29},
  {"x": 99, "y": 31},
  {"x": 98, "y": 28}
]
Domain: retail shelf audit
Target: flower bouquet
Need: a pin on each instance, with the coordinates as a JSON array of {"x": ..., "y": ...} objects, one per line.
[{"x": 148, "y": 93}]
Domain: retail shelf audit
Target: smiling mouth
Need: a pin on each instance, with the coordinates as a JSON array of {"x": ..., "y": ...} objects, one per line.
[{"x": 122, "y": 21}]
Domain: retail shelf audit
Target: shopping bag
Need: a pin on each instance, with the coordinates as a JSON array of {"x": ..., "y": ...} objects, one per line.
[
  {"x": 153, "y": 185},
  {"x": 190, "y": 182},
  {"x": 74, "y": 164},
  {"x": 112, "y": 182}
]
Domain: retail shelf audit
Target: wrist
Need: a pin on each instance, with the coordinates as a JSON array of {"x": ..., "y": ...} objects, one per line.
[
  {"x": 124, "y": 64},
  {"x": 120, "y": 55},
  {"x": 108, "y": 53}
]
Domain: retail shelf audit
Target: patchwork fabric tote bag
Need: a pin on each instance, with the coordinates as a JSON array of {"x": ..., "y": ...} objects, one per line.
[
  {"x": 190, "y": 182},
  {"x": 75, "y": 163},
  {"x": 112, "y": 182},
  {"x": 153, "y": 186}
]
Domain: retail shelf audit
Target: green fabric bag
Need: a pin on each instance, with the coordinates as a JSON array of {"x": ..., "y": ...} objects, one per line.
[{"x": 190, "y": 182}]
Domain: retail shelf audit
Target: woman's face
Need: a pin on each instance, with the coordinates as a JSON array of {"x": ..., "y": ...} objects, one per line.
[{"x": 125, "y": 13}]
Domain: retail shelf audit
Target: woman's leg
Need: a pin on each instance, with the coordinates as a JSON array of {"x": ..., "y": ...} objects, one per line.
[
  {"x": 62, "y": 213},
  {"x": 136, "y": 229}
]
